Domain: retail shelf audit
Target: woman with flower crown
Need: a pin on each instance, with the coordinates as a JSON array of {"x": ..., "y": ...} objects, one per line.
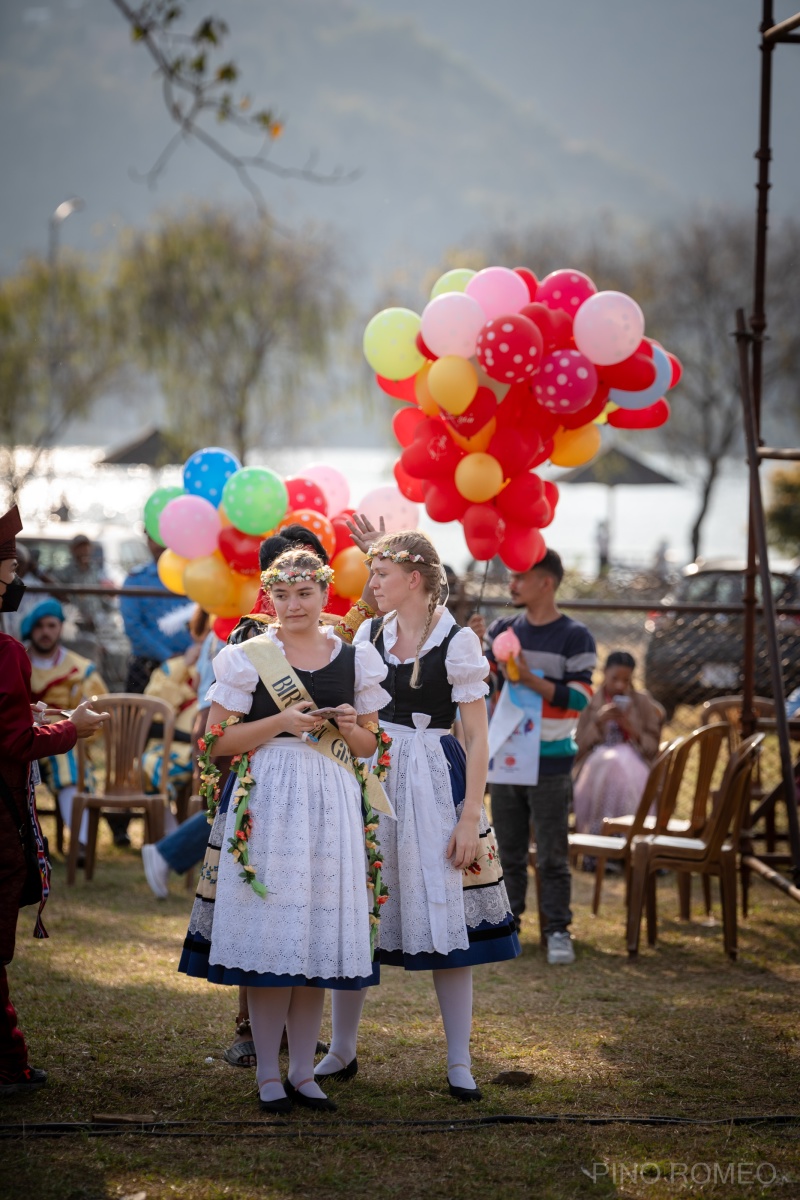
[
  {"x": 292, "y": 914},
  {"x": 447, "y": 909}
]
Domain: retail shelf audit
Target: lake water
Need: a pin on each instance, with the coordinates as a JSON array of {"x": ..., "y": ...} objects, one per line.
[{"x": 642, "y": 517}]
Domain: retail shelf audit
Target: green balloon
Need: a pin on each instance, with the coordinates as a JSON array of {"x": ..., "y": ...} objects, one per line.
[
  {"x": 154, "y": 506},
  {"x": 255, "y": 499},
  {"x": 452, "y": 281}
]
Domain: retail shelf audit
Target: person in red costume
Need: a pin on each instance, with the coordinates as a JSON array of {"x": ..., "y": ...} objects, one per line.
[{"x": 22, "y": 742}]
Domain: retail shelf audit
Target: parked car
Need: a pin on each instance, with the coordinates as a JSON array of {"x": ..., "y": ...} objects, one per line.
[{"x": 693, "y": 656}]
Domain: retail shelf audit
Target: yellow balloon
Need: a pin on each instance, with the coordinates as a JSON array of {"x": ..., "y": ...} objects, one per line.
[
  {"x": 478, "y": 477},
  {"x": 170, "y": 571},
  {"x": 390, "y": 345},
  {"x": 574, "y": 447},
  {"x": 479, "y": 441},
  {"x": 350, "y": 572},
  {"x": 424, "y": 399},
  {"x": 211, "y": 583},
  {"x": 453, "y": 382},
  {"x": 452, "y": 281}
]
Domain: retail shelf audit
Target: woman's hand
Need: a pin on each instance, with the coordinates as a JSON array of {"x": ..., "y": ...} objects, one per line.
[
  {"x": 346, "y": 719},
  {"x": 296, "y": 719},
  {"x": 363, "y": 532},
  {"x": 463, "y": 844}
]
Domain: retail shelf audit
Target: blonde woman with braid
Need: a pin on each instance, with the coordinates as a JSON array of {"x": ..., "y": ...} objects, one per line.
[{"x": 447, "y": 908}]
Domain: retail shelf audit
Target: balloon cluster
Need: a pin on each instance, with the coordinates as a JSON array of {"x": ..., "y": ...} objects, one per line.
[
  {"x": 213, "y": 526},
  {"x": 503, "y": 372}
]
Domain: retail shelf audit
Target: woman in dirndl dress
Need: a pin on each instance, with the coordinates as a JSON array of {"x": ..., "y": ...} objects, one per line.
[
  {"x": 447, "y": 909},
  {"x": 298, "y": 921}
]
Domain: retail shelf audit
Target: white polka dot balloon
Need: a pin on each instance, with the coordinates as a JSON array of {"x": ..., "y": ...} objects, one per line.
[
  {"x": 510, "y": 348},
  {"x": 566, "y": 382}
]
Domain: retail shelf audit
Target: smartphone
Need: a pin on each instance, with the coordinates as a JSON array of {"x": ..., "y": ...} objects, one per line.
[{"x": 324, "y": 714}]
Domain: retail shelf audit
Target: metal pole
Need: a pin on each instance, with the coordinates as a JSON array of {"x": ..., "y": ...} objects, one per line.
[{"x": 758, "y": 529}]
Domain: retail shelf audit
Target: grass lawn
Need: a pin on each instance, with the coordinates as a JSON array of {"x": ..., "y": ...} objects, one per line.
[{"x": 681, "y": 1032}]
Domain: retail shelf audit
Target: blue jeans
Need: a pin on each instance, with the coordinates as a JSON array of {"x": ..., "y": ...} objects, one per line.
[
  {"x": 186, "y": 845},
  {"x": 545, "y": 807}
]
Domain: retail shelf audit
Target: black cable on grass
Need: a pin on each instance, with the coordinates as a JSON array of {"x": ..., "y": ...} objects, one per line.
[{"x": 233, "y": 1129}]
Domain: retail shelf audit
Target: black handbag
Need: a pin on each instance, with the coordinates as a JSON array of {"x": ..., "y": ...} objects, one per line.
[{"x": 32, "y": 888}]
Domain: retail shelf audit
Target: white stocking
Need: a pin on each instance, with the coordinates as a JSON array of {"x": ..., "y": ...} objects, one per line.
[
  {"x": 302, "y": 1028},
  {"x": 454, "y": 992},
  {"x": 268, "y": 1008},
  {"x": 345, "y": 1016},
  {"x": 65, "y": 798}
]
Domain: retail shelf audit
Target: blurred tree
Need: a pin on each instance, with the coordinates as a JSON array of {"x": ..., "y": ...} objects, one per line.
[
  {"x": 58, "y": 351},
  {"x": 689, "y": 279},
  {"x": 783, "y": 511},
  {"x": 229, "y": 316}
]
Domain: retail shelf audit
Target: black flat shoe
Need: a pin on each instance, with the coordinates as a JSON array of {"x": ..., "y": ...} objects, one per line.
[
  {"x": 317, "y": 1103},
  {"x": 347, "y": 1072},
  {"x": 282, "y": 1104},
  {"x": 461, "y": 1093}
]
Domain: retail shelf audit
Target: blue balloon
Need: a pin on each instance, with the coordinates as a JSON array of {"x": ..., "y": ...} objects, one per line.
[
  {"x": 648, "y": 395},
  {"x": 207, "y": 471}
]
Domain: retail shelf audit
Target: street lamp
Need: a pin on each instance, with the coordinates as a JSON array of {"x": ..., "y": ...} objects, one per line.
[{"x": 64, "y": 210}]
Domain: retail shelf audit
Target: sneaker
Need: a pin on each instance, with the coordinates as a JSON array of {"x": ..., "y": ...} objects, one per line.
[
  {"x": 560, "y": 948},
  {"x": 156, "y": 869},
  {"x": 29, "y": 1080}
]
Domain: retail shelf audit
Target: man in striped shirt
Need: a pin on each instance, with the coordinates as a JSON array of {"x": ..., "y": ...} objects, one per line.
[{"x": 564, "y": 650}]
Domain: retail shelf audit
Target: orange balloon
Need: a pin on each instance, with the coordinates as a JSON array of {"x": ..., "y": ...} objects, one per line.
[
  {"x": 170, "y": 571},
  {"x": 224, "y": 519},
  {"x": 479, "y": 441},
  {"x": 314, "y": 521},
  {"x": 350, "y": 572},
  {"x": 248, "y": 586},
  {"x": 424, "y": 399},
  {"x": 574, "y": 447},
  {"x": 453, "y": 382},
  {"x": 478, "y": 477},
  {"x": 211, "y": 583}
]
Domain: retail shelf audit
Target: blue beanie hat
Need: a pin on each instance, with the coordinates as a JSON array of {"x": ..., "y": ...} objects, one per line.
[{"x": 48, "y": 608}]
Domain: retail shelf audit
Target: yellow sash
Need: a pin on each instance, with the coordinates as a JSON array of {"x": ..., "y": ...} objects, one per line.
[{"x": 276, "y": 673}]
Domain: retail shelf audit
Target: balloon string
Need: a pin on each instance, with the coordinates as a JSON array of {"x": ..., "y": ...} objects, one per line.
[{"x": 483, "y": 585}]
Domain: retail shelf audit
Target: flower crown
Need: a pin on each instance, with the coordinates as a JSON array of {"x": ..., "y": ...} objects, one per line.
[
  {"x": 273, "y": 575},
  {"x": 398, "y": 556}
]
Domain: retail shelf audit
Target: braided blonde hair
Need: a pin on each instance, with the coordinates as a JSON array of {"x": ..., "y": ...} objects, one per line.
[{"x": 432, "y": 574}]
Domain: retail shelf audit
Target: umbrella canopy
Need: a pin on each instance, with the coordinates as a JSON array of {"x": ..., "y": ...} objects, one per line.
[
  {"x": 617, "y": 468},
  {"x": 152, "y": 448}
]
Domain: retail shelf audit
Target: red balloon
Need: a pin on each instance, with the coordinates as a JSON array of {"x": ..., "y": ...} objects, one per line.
[
  {"x": 342, "y": 534},
  {"x": 566, "y": 382},
  {"x": 589, "y": 412},
  {"x": 478, "y": 414},
  {"x": 412, "y": 489},
  {"x": 521, "y": 547},
  {"x": 223, "y": 627},
  {"x": 404, "y": 424},
  {"x": 641, "y": 418},
  {"x": 240, "y": 550},
  {"x": 531, "y": 282},
  {"x": 514, "y": 449},
  {"x": 565, "y": 290},
  {"x": 551, "y": 493},
  {"x": 444, "y": 502},
  {"x": 633, "y": 374},
  {"x": 305, "y": 493},
  {"x": 677, "y": 369},
  {"x": 433, "y": 454},
  {"x": 562, "y": 330},
  {"x": 510, "y": 348},
  {"x": 338, "y": 605},
  {"x": 483, "y": 531},
  {"x": 401, "y": 389},
  {"x": 423, "y": 349},
  {"x": 518, "y": 496},
  {"x": 541, "y": 316},
  {"x": 543, "y": 455}
]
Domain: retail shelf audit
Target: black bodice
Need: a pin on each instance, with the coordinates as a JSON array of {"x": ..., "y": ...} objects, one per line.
[
  {"x": 434, "y": 696},
  {"x": 333, "y": 684}
]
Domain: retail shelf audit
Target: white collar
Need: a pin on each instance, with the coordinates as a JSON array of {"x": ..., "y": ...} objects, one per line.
[
  {"x": 272, "y": 633},
  {"x": 435, "y": 637}
]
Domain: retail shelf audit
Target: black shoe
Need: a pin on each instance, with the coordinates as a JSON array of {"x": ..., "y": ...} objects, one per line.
[
  {"x": 317, "y": 1103},
  {"x": 29, "y": 1080},
  {"x": 282, "y": 1105},
  {"x": 465, "y": 1094},
  {"x": 340, "y": 1076}
]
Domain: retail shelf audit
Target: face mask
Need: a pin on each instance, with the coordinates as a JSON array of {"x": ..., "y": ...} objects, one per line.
[{"x": 12, "y": 597}]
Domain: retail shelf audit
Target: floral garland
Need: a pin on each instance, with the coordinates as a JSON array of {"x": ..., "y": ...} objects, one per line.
[
  {"x": 398, "y": 556},
  {"x": 209, "y": 791},
  {"x": 380, "y": 892},
  {"x": 322, "y": 574}
]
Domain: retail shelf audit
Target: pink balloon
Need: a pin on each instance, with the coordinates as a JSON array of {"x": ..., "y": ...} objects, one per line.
[
  {"x": 390, "y": 503},
  {"x": 334, "y": 486},
  {"x": 510, "y": 348},
  {"x": 565, "y": 290},
  {"x": 566, "y": 382},
  {"x": 451, "y": 324},
  {"x": 608, "y": 327},
  {"x": 506, "y": 645},
  {"x": 498, "y": 291},
  {"x": 189, "y": 526}
]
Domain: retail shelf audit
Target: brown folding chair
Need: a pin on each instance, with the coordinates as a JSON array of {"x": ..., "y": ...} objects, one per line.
[
  {"x": 712, "y": 853},
  {"x": 124, "y": 739}
]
